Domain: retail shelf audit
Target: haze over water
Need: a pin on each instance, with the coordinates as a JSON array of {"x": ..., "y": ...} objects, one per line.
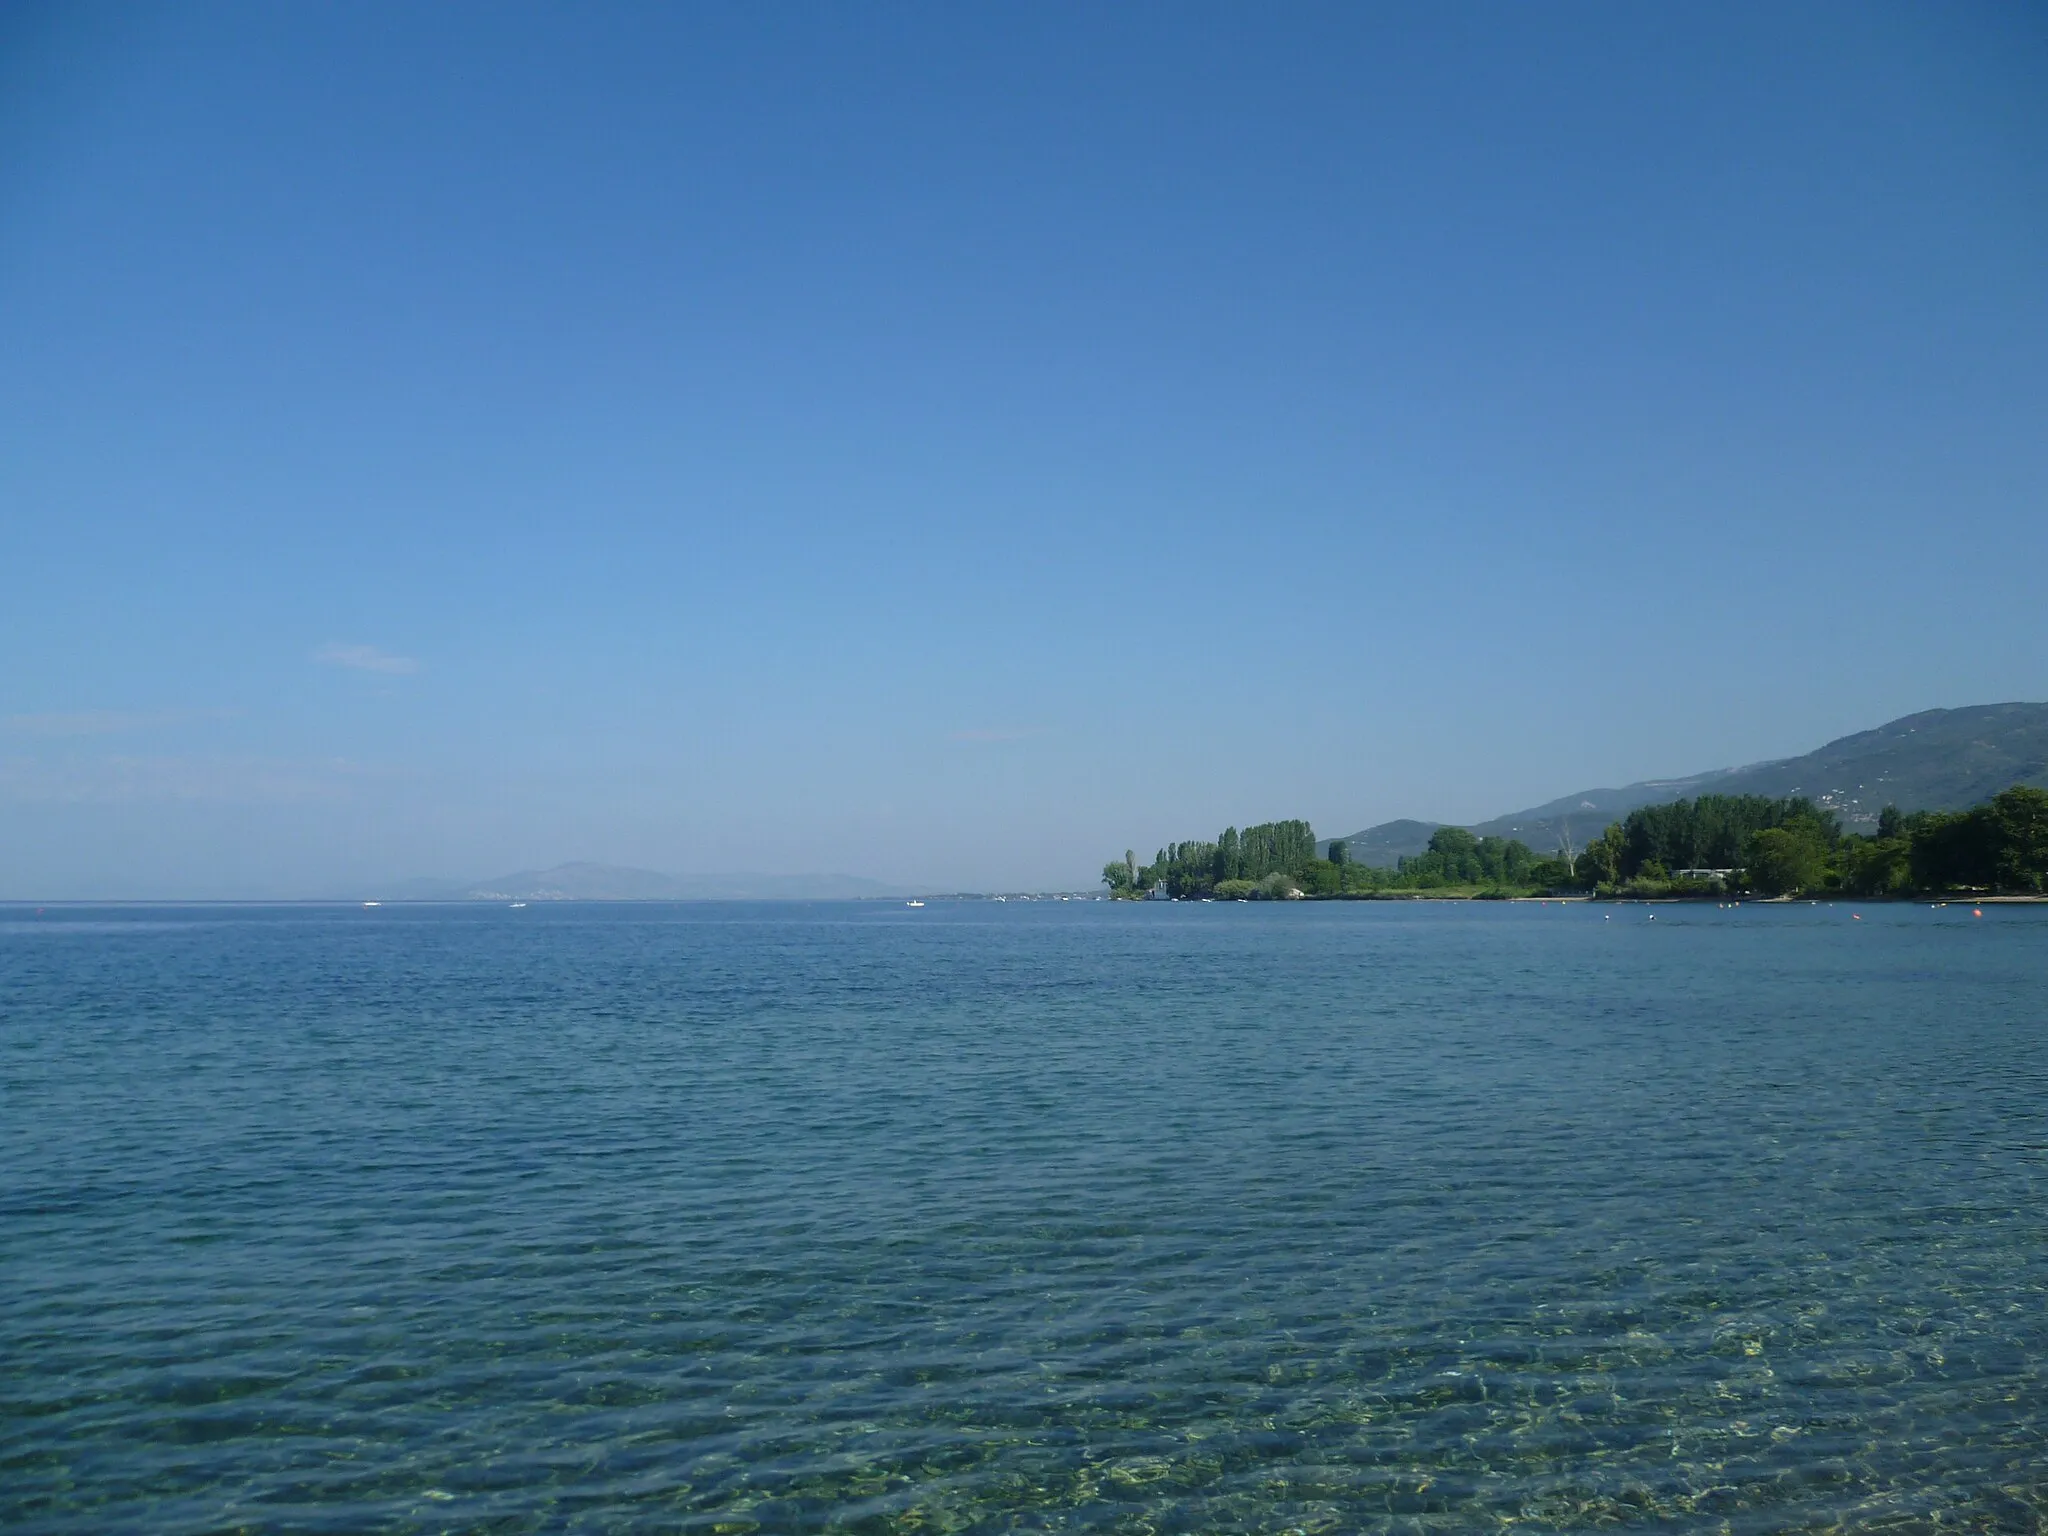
[{"x": 1083, "y": 1217}]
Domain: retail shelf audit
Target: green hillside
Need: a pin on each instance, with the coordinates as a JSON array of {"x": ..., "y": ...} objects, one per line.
[{"x": 1937, "y": 760}]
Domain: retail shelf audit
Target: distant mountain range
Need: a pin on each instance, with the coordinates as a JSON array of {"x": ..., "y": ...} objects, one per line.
[
  {"x": 1937, "y": 760},
  {"x": 1940, "y": 759},
  {"x": 613, "y": 882}
]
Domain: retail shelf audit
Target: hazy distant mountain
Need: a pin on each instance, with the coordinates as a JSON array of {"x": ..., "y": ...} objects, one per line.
[
  {"x": 612, "y": 882},
  {"x": 1937, "y": 760},
  {"x": 1387, "y": 844}
]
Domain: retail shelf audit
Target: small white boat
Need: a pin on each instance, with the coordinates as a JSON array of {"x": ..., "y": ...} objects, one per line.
[
  {"x": 517, "y": 905},
  {"x": 913, "y": 903},
  {"x": 373, "y": 903}
]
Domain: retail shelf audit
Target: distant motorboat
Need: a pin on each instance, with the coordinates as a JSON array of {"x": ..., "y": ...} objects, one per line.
[
  {"x": 517, "y": 905},
  {"x": 913, "y": 903},
  {"x": 373, "y": 903}
]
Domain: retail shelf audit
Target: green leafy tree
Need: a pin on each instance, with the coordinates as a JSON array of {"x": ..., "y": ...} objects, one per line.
[
  {"x": 1707, "y": 833},
  {"x": 1454, "y": 843},
  {"x": 1783, "y": 861},
  {"x": 1456, "y": 857},
  {"x": 1283, "y": 847},
  {"x": 1191, "y": 869},
  {"x": 1600, "y": 864},
  {"x": 1879, "y": 866},
  {"x": 1322, "y": 878},
  {"x": 1954, "y": 848},
  {"x": 2019, "y": 818}
]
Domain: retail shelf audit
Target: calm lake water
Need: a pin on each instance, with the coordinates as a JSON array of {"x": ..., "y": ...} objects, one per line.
[{"x": 1026, "y": 1217}]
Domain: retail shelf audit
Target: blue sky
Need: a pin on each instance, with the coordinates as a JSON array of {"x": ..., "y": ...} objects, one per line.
[{"x": 954, "y": 443}]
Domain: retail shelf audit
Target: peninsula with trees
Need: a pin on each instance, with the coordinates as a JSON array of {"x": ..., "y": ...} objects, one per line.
[
  {"x": 1717, "y": 845},
  {"x": 1960, "y": 837}
]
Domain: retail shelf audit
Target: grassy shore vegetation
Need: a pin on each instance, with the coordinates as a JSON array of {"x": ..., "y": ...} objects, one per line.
[{"x": 1717, "y": 845}]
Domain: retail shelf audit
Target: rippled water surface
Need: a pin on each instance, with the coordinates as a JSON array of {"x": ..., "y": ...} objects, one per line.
[{"x": 1050, "y": 1217}]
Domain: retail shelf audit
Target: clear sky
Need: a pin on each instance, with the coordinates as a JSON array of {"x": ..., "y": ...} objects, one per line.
[{"x": 953, "y": 443}]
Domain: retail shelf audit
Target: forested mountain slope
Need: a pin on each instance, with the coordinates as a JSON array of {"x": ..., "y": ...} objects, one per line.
[{"x": 1937, "y": 760}]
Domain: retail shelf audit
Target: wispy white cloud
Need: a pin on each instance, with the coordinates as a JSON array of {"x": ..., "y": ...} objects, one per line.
[
  {"x": 364, "y": 658},
  {"x": 108, "y": 722},
  {"x": 1000, "y": 733}
]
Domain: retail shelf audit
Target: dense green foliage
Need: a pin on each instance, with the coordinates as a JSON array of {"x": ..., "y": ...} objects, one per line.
[
  {"x": 1708, "y": 833},
  {"x": 1791, "y": 847},
  {"x": 1456, "y": 857},
  {"x": 1715, "y": 845},
  {"x": 1783, "y": 861},
  {"x": 2002, "y": 845},
  {"x": 1254, "y": 856},
  {"x": 1278, "y": 858}
]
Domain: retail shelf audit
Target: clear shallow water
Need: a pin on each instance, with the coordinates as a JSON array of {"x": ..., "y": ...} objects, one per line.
[{"x": 1134, "y": 1218}]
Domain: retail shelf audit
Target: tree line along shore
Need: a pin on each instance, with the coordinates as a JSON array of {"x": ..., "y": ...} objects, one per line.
[{"x": 1714, "y": 846}]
